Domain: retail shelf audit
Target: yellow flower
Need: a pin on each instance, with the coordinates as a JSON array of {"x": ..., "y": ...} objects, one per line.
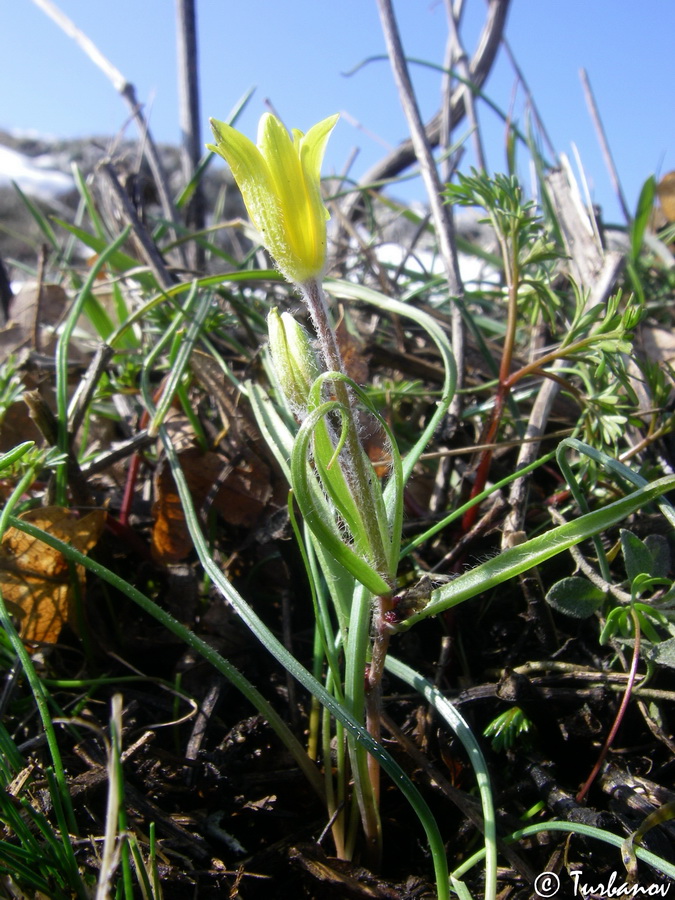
[{"x": 280, "y": 181}]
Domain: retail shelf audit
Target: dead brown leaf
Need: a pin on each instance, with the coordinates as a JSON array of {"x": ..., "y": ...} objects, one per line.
[
  {"x": 352, "y": 880},
  {"x": 356, "y": 361},
  {"x": 35, "y": 580},
  {"x": 240, "y": 491},
  {"x": 666, "y": 194}
]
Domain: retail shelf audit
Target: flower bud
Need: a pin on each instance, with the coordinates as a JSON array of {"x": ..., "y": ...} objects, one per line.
[{"x": 293, "y": 359}]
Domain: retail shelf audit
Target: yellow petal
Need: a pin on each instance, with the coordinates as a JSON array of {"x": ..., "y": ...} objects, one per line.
[
  {"x": 282, "y": 161},
  {"x": 280, "y": 183},
  {"x": 313, "y": 146},
  {"x": 246, "y": 162},
  {"x": 252, "y": 175}
]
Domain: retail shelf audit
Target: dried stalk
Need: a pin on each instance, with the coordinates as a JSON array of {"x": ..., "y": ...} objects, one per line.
[
  {"x": 440, "y": 212},
  {"x": 404, "y": 156},
  {"x": 188, "y": 99},
  {"x": 146, "y": 244},
  {"x": 595, "y": 273},
  {"x": 128, "y": 91},
  {"x": 460, "y": 60},
  {"x": 604, "y": 144}
]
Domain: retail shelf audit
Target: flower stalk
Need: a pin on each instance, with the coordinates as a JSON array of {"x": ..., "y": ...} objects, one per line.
[
  {"x": 332, "y": 478},
  {"x": 356, "y": 465}
]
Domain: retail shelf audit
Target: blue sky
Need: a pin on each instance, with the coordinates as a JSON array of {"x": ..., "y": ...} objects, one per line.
[{"x": 296, "y": 54}]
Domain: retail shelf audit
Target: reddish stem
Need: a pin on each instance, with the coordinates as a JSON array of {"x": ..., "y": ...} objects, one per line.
[
  {"x": 506, "y": 381},
  {"x": 483, "y": 468},
  {"x": 632, "y": 674},
  {"x": 132, "y": 476}
]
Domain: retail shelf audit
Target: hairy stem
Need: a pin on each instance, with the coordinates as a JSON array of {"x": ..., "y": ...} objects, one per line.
[
  {"x": 355, "y": 464},
  {"x": 375, "y": 671},
  {"x": 359, "y": 474}
]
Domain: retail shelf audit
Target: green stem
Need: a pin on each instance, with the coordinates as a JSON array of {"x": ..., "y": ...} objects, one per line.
[
  {"x": 359, "y": 477},
  {"x": 62, "y": 347},
  {"x": 356, "y": 466},
  {"x": 565, "y": 351}
]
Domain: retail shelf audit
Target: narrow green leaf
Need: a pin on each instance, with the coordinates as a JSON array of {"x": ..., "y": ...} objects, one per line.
[
  {"x": 40, "y": 219},
  {"x": 119, "y": 259},
  {"x": 532, "y": 553},
  {"x": 315, "y": 513},
  {"x": 92, "y": 210},
  {"x": 642, "y": 214},
  {"x": 12, "y": 456},
  {"x": 468, "y": 740}
]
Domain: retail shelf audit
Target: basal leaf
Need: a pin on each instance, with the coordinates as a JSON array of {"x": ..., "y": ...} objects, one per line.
[
  {"x": 636, "y": 555},
  {"x": 576, "y": 597}
]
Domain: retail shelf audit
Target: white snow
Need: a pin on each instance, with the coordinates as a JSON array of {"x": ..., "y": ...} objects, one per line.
[
  {"x": 475, "y": 272},
  {"x": 33, "y": 175}
]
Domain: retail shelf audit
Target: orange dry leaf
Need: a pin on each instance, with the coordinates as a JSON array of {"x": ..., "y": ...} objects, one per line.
[
  {"x": 35, "y": 580},
  {"x": 356, "y": 362},
  {"x": 666, "y": 194}
]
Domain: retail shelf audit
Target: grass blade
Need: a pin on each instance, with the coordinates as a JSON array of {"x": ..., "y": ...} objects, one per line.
[{"x": 526, "y": 556}]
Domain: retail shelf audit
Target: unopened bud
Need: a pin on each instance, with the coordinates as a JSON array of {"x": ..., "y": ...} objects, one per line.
[{"x": 293, "y": 358}]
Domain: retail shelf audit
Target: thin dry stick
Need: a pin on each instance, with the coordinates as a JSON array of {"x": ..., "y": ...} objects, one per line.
[
  {"x": 188, "y": 97},
  {"x": 541, "y": 128},
  {"x": 595, "y": 274},
  {"x": 447, "y": 165},
  {"x": 148, "y": 247},
  {"x": 6, "y": 295},
  {"x": 127, "y": 90},
  {"x": 84, "y": 392},
  {"x": 403, "y": 156},
  {"x": 439, "y": 494},
  {"x": 604, "y": 144},
  {"x": 440, "y": 212},
  {"x": 461, "y": 61},
  {"x": 456, "y": 52},
  {"x": 111, "y": 844}
]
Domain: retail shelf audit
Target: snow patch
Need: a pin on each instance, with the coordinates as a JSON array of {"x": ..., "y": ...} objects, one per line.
[
  {"x": 33, "y": 175},
  {"x": 475, "y": 272}
]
